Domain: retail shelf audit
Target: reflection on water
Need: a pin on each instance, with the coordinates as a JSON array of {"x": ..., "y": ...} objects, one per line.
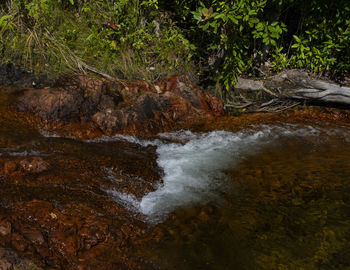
[{"x": 289, "y": 209}]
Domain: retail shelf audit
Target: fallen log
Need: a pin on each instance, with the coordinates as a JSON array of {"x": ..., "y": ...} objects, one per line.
[
  {"x": 300, "y": 85},
  {"x": 294, "y": 85}
]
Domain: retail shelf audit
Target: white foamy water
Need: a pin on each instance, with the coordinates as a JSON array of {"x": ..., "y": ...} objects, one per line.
[
  {"x": 194, "y": 165},
  {"x": 130, "y": 139},
  {"x": 48, "y": 134},
  {"x": 127, "y": 200}
]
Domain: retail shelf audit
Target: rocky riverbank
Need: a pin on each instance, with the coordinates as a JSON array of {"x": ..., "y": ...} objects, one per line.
[
  {"x": 63, "y": 201},
  {"x": 87, "y": 107}
]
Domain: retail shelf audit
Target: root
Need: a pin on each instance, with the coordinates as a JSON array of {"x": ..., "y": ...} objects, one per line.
[{"x": 273, "y": 105}]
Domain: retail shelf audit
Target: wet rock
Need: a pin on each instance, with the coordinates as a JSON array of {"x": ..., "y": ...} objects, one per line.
[
  {"x": 120, "y": 107},
  {"x": 34, "y": 236},
  {"x": 34, "y": 165},
  {"x": 18, "y": 242},
  {"x": 28, "y": 165},
  {"x": 57, "y": 209},
  {"x": 10, "y": 260},
  {"x": 92, "y": 234},
  {"x": 5, "y": 228},
  {"x": 70, "y": 237},
  {"x": 5, "y": 265},
  {"x": 10, "y": 167},
  {"x": 64, "y": 219},
  {"x": 70, "y": 99}
]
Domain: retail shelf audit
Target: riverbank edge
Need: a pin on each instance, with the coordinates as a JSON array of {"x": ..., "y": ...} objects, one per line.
[{"x": 249, "y": 95}]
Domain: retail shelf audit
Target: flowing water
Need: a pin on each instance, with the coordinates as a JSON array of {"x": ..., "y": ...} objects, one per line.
[
  {"x": 270, "y": 196},
  {"x": 267, "y": 197}
]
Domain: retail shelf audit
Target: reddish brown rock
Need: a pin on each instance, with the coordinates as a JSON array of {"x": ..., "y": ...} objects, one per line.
[
  {"x": 5, "y": 228},
  {"x": 34, "y": 236},
  {"x": 5, "y": 265},
  {"x": 119, "y": 107},
  {"x": 9, "y": 167},
  {"x": 71, "y": 238},
  {"x": 18, "y": 242},
  {"x": 34, "y": 165},
  {"x": 62, "y": 219},
  {"x": 10, "y": 260}
]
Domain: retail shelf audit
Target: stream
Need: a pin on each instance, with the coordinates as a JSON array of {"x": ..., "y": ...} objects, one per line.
[{"x": 262, "y": 196}]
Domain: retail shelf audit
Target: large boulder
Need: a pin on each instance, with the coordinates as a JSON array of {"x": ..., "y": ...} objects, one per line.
[{"x": 118, "y": 106}]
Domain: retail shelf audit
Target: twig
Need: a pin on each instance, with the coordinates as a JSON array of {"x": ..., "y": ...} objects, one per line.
[
  {"x": 291, "y": 106},
  {"x": 269, "y": 92},
  {"x": 238, "y": 106},
  {"x": 268, "y": 103}
]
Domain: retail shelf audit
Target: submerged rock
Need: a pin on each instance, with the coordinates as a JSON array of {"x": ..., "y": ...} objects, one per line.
[
  {"x": 118, "y": 106},
  {"x": 34, "y": 165},
  {"x": 56, "y": 209},
  {"x": 22, "y": 167},
  {"x": 10, "y": 260}
]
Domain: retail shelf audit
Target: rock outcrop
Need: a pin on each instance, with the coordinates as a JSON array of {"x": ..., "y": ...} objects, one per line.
[
  {"x": 55, "y": 210},
  {"x": 120, "y": 107}
]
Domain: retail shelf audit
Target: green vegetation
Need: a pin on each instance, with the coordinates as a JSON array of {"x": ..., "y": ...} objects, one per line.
[
  {"x": 131, "y": 39},
  {"x": 149, "y": 39}
]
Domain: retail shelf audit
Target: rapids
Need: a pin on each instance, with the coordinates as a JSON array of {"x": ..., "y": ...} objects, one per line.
[{"x": 194, "y": 164}]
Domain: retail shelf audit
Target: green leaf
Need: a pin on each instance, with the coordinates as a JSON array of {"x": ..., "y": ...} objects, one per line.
[
  {"x": 219, "y": 16},
  {"x": 5, "y": 18},
  {"x": 297, "y": 39},
  {"x": 233, "y": 19},
  {"x": 205, "y": 27},
  {"x": 259, "y": 26},
  {"x": 197, "y": 16},
  {"x": 271, "y": 29},
  {"x": 275, "y": 35},
  {"x": 252, "y": 12},
  {"x": 112, "y": 45},
  {"x": 254, "y": 20}
]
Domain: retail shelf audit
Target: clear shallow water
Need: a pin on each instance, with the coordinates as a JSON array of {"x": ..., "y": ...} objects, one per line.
[
  {"x": 285, "y": 203},
  {"x": 268, "y": 197},
  {"x": 195, "y": 166}
]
